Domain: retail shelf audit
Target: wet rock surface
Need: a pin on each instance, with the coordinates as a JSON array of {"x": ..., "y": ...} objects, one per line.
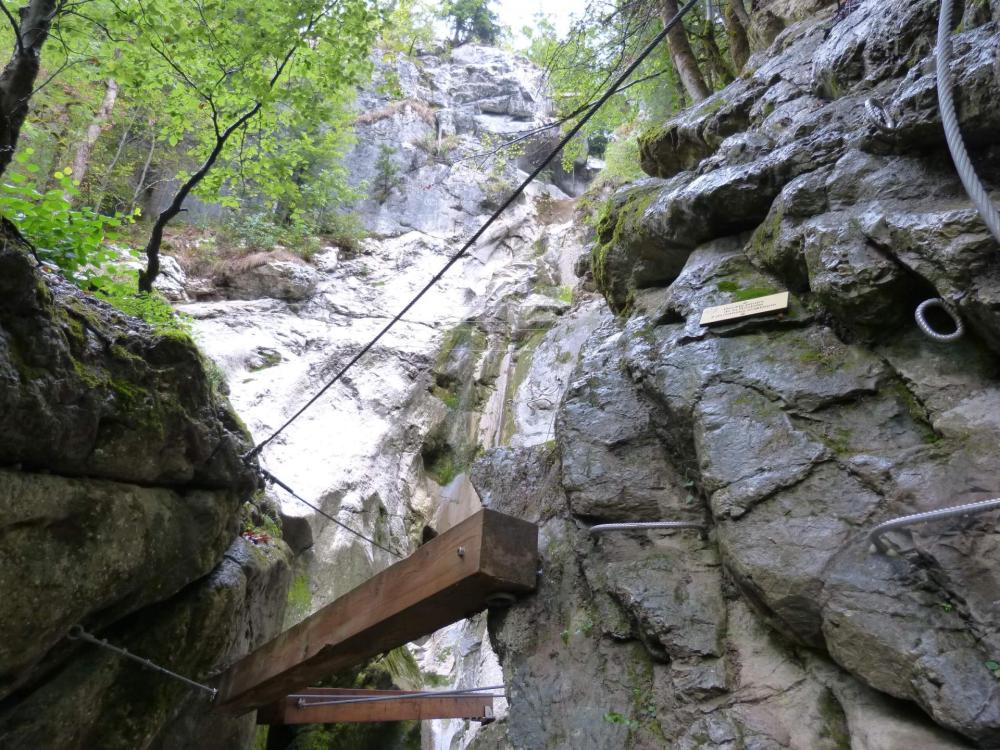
[
  {"x": 122, "y": 488},
  {"x": 789, "y": 435}
]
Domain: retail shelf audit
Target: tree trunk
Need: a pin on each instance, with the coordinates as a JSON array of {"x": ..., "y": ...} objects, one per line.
[
  {"x": 713, "y": 59},
  {"x": 739, "y": 44},
  {"x": 682, "y": 55},
  {"x": 17, "y": 81},
  {"x": 81, "y": 161},
  {"x": 141, "y": 185},
  {"x": 102, "y": 189},
  {"x": 147, "y": 277},
  {"x": 740, "y": 11}
]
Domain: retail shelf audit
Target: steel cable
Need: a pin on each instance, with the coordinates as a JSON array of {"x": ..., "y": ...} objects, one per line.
[
  {"x": 271, "y": 478},
  {"x": 78, "y": 633},
  {"x": 966, "y": 172},
  {"x": 603, "y": 527},
  {"x": 518, "y": 191},
  {"x": 304, "y": 700},
  {"x": 875, "y": 535}
]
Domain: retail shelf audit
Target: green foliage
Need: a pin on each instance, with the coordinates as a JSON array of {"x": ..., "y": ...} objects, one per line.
[
  {"x": 601, "y": 42},
  {"x": 443, "y": 468},
  {"x": 753, "y": 292},
  {"x": 498, "y": 165},
  {"x": 741, "y": 294},
  {"x": 439, "y": 148},
  {"x": 260, "y": 738},
  {"x": 994, "y": 667},
  {"x": 582, "y": 64},
  {"x": 76, "y": 240},
  {"x": 185, "y": 69},
  {"x": 214, "y": 61},
  {"x": 407, "y": 25},
  {"x": 152, "y": 308},
  {"x": 451, "y": 398},
  {"x": 434, "y": 680},
  {"x": 621, "y": 159},
  {"x": 344, "y": 230},
  {"x": 219, "y": 384},
  {"x": 614, "y": 717},
  {"x": 471, "y": 20},
  {"x": 386, "y": 173},
  {"x": 255, "y": 231}
]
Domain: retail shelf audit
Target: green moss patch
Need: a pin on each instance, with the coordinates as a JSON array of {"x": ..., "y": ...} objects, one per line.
[{"x": 742, "y": 294}]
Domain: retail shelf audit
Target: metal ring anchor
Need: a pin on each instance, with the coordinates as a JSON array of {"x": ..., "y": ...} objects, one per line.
[
  {"x": 920, "y": 317},
  {"x": 878, "y": 116}
]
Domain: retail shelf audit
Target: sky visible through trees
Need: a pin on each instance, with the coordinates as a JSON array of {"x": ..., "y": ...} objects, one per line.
[{"x": 516, "y": 14}]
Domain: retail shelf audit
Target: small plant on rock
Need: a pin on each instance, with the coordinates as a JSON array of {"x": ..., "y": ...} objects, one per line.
[{"x": 386, "y": 173}]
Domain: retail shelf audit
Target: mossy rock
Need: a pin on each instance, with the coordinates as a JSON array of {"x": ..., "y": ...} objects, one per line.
[
  {"x": 628, "y": 255},
  {"x": 87, "y": 390}
]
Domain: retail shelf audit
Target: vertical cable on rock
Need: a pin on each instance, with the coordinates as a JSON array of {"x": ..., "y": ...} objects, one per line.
[{"x": 966, "y": 172}]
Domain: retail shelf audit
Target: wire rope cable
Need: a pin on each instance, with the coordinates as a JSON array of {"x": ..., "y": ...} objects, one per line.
[
  {"x": 308, "y": 700},
  {"x": 518, "y": 191},
  {"x": 273, "y": 479},
  {"x": 966, "y": 172},
  {"x": 875, "y": 535},
  {"x": 77, "y": 633}
]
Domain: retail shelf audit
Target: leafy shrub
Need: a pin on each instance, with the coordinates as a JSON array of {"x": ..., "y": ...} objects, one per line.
[
  {"x": 621, "y": 160},
  {"x": 76, "y": 240},
  {"x": 345, "y": 230},
  {"x": 253, "y": 231}
]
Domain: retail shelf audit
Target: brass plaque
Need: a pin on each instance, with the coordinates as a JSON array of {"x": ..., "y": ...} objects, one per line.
[{"x": 736, "y": 310}]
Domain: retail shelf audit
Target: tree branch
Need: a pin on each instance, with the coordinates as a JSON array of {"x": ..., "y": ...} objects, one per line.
[{"x": 15, "y": 26}]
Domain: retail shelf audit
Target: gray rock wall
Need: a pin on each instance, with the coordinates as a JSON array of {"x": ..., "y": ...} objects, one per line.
[
  {"x": 790, "y": 436},
  {"x": 121, "y": 490}
]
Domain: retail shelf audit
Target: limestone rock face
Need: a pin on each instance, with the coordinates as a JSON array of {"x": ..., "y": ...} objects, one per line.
[
  {"x": 483, "y": 360},
  {"x": 455, "y": 106},
  {"x": 122, "y": 487},
  {"x": 110, "y": 399},
  {"x": 279, "y": 279},
  {"x": 790, "y": 436}
]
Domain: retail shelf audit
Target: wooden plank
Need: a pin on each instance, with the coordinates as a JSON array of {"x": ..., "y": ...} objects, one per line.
[
  {"x": 444, "y": 581},
  {"x": 425, "y": 708},
  {"x": 745, "y": 309}
]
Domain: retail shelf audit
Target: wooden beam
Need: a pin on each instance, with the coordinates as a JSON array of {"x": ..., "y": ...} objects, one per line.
[
  {"x": 446, "y": 580},
  {"x": 424, "y": 708}
]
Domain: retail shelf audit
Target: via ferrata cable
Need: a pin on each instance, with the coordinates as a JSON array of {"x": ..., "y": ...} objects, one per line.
[{"x": 518, "y": 191}]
